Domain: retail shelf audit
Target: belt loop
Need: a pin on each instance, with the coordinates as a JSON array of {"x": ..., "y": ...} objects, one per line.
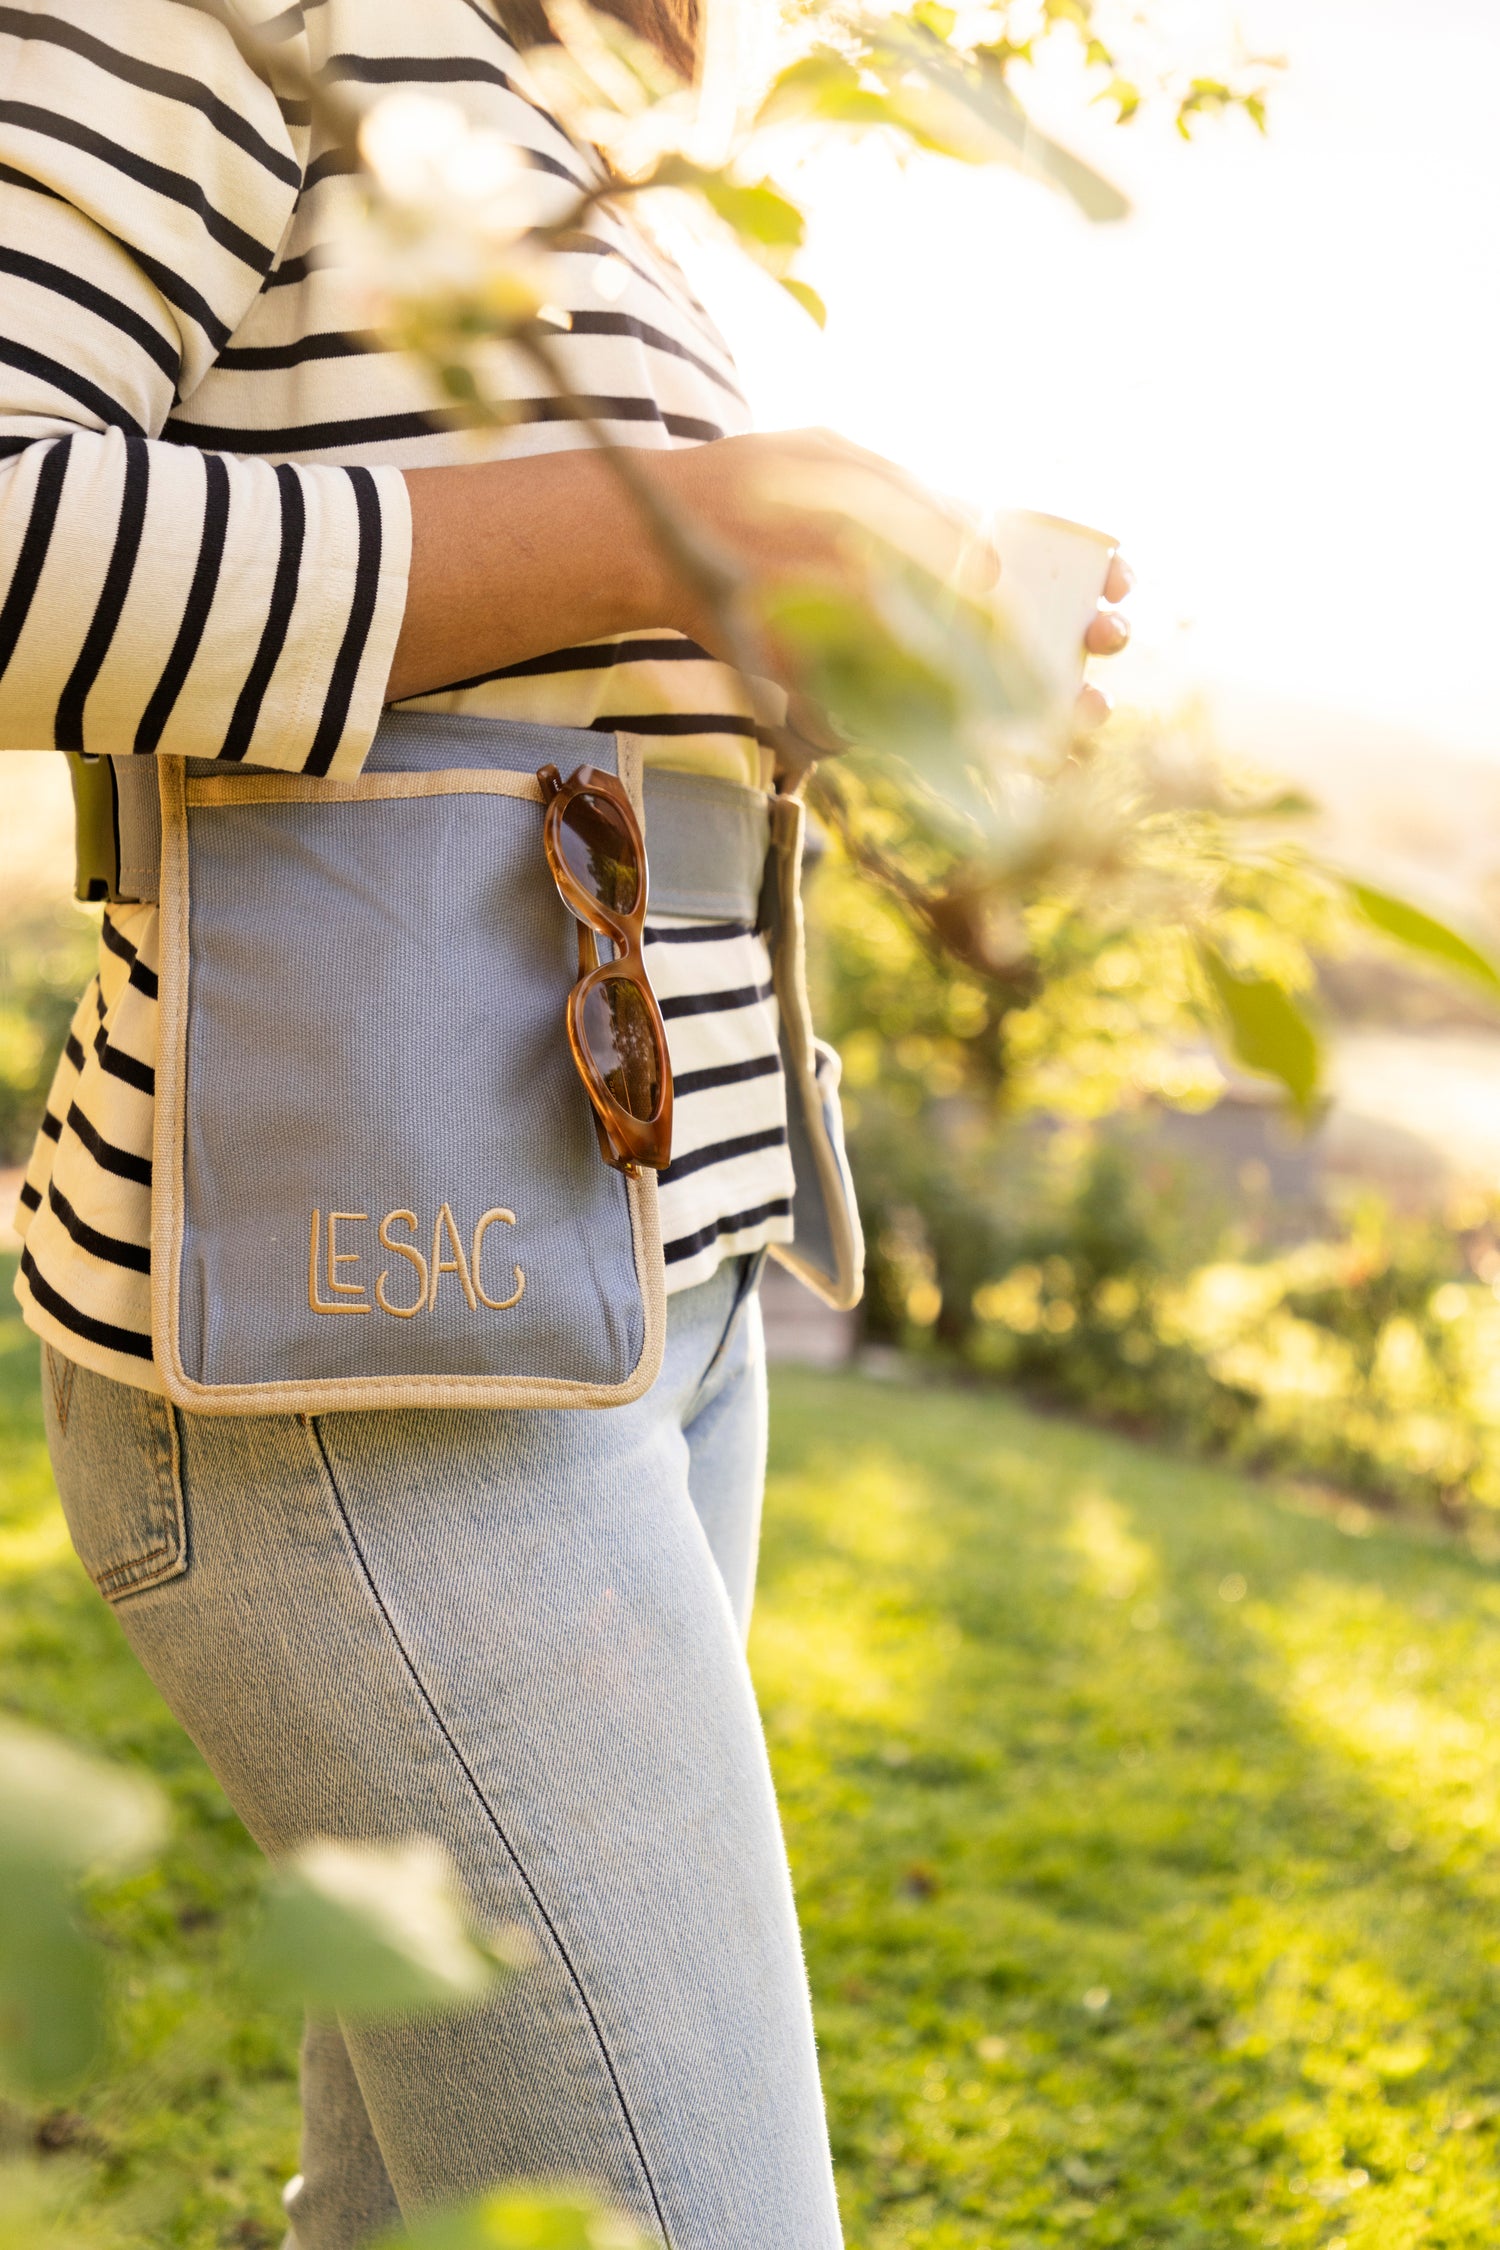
[{"x": 96, "y": 827}]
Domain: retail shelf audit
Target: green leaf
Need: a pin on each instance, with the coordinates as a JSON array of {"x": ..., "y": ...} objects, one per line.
[
  {"x": 760, "y": 214},
  {"x": 1287, "y": 804},
  {"x": 369, "y": 1930},
  {"x": 933, "y": 17},
  {"x": 876, "y": 688},
  {"x": 955, "y": 106},
  {"x": 824, "y": 87},
  {"x": 1125, "y": 96},
  {"x": 807, "y": 297},
  {"x": 62, "y": 1809},
  {"x": 999, "y": 54},
  {"x": 60, "y": 1814},
  {"x": 1268, "y": 1032},
  {"x": 526, "y": 2219},
  {"x": 51, "y": 1987},
  {"x": 1423, "y": 933}
]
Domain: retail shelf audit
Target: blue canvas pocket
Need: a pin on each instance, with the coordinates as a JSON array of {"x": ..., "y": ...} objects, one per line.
[{"x": 376, "y": 1177}]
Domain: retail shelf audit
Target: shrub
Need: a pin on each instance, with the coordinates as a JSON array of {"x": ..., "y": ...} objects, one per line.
[
  {"x": 1094, "y": 1276},
  {"x": 47, "y": 952}
]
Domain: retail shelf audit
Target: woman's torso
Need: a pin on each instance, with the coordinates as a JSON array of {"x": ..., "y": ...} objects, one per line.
[{"x": 292, "y": 385}]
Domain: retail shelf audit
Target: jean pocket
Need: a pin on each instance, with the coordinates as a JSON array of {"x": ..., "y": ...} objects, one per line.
[{"x": 118, "y": 1465}]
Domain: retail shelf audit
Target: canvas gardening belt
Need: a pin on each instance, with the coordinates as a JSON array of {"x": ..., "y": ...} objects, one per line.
[{"x": 376, "y": 1181}]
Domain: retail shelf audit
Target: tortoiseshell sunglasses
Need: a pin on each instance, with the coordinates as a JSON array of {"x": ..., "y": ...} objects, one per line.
[{"x": 597, "y": 855}]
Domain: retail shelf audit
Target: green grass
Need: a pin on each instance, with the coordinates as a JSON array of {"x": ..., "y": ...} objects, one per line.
[
  {"x": 190, "y": 2130},
  {"x": 1144, "y": 1826}
]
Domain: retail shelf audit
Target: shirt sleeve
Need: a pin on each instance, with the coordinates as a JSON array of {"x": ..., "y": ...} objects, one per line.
[{"x": 154, "y": 597}]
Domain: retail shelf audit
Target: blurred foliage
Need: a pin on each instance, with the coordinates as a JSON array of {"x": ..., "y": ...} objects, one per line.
[
  {"x": 925, "y": 76},
  {"x": 47, "y": 954},
  {"x": 517, "y": 2220},
  {"x": 61, "y": 1816},
  {"x": 1147, "y": 905},
  {"x": 354, "y": 1930},
  {"x": 362, "y": 1930},
  {"x": 1078, "y": 975},
  {"x": 1093, "y": 1273}
]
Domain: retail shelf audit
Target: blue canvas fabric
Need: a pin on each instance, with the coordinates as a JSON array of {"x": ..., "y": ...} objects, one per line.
[
  {"x": 372, "y": 1058},
  {"x": 708, "y": 838}
]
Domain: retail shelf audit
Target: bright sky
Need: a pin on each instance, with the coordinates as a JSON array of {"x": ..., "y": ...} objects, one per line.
[{"x": 1276, "y": 382}]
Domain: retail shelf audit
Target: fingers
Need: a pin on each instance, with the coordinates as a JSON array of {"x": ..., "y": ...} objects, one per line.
[
  {"x": 1107, "y": 634},
  {"x": 1108, "y": 631},
  {"x": 978, "y": 569},
  {"x": 1120, "y": 580},
  {"x": 1091, "y": 710}
]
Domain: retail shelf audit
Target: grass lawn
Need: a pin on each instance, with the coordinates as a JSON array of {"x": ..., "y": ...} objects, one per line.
[{"x": 1144, "y": 1825}]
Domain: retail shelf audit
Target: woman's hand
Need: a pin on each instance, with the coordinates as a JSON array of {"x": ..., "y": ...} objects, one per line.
[
  {"x": 1106, "y": 636},
  {"x": 782, "y": 508},
  {"x": 789, "y": 507},
  {"x": 514, "y": 558}
]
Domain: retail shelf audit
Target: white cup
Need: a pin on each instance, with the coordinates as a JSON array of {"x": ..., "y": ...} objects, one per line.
[{"x": 1052, "y": 577}]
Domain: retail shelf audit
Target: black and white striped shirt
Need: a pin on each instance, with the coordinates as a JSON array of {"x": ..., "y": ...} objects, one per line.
[{"x": 204, "y": 538}]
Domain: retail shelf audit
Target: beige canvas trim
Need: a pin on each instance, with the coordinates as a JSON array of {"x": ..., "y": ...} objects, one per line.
[
  {"x": 630, "y": 757},
  {"x": 299, "y": 789},
  {"x": 645, "y": 1209},
  {"x": 334, "y": 1395},
  {"x": 169, "y": 1128},
  {"x": 844, "y": 1287}
]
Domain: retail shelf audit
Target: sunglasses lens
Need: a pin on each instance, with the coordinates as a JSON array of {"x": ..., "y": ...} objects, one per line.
[
  {"x": 600, "y": 852},
  {"x": 618, "y": 1032}
]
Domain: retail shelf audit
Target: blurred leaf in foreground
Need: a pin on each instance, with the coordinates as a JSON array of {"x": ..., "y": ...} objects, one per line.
[
  {"x": 1267, "y": 1030},
  {"x": 758, "y": 212},
  {"x": 1422, "y": 933},
  {"x": 527, "y": 2219},
  {"x": 902, "y": 73},
  {"x": 61, "y": 1815},
  {"x": 803, "y": 294},
  {"x": 370, "y": 1929},
  {"x": 876, "y": 685}
]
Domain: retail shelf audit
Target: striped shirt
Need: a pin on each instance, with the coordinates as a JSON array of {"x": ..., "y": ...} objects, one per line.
[{"x": 204, "y": 538}]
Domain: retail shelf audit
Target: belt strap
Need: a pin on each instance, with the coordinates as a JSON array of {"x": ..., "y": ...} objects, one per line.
[
  {"x": 706, "y": 845},
  {"x": 706, "y": 839}
]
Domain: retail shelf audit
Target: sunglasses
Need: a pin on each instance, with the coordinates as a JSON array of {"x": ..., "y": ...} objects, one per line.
[{"x": 597, "y": 856}]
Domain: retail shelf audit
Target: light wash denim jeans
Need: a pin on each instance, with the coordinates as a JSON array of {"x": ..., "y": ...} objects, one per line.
[{"x": 523, "y": 1634}]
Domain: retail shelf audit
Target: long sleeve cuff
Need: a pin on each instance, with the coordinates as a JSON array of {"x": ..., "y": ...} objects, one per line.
[{"x": 198, "y": 604}]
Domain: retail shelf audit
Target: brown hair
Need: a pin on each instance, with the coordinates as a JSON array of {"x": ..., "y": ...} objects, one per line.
[{"x": 670, "y": 25}]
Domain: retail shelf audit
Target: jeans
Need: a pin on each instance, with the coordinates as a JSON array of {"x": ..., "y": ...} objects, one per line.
[{"x": 521, "y": 1633}]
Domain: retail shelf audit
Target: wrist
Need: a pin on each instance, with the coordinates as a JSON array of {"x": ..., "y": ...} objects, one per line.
[{"x": 651, "y": 584}]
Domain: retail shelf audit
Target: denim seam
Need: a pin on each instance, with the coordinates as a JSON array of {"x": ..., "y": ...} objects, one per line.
[
  {"x": 750, "y": 1275},
  {"x": 60, "y": 1374},
  {"x": 494, "y": 1821},
  {"x": 126, "y": 1573},
  {"x": 140, "y": 1571}
]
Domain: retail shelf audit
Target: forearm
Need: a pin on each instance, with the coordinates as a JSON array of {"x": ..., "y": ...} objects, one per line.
[{"x": 513, "y": 558}]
